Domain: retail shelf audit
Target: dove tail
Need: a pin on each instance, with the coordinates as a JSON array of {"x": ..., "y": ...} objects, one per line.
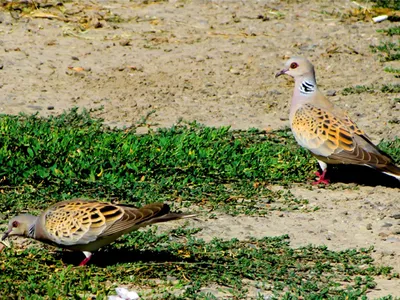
[
  {"x": 391, "y": 170},
  {"x": 164, "y": 214},
  {"x": 172, "y": 216}
]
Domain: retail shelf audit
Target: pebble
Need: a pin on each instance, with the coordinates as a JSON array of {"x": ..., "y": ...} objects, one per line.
[
  {"x": 393, "y": 240},
  {"x": 234, "y": 71},
  {"x": 125, "y": 43},
  {"x": 369, "y": 226},
  {"x": 387, "y": 224},
  {"x": 331, "y": 93},
  {"x": 199, "y": 59},
  {"x": 395, "y": 216},
  {"x": 36, "y": 107},
  {"x": 274, "y": 92},
  {"x": 50, "y": 107}
]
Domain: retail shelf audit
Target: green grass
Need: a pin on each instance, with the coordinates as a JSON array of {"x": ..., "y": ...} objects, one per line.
[
  {"x": 391, "y": 31},
  {"x": 146, "y": 259},
  {"x": 392, "y": 70},
  {"x": 44, "y": 160},
  {"x": 393, "y": 4},
  {"x": 390, "y": 88},
  {"x": 388, "y": 51},
  {"x": 358, "y": 89},
  {"x": 73, "y": 155}
]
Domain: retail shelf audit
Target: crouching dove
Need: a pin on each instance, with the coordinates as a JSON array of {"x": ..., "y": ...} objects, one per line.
[
  {"x": 86, "y": 226},
  {"x": 326, "y": 130}
]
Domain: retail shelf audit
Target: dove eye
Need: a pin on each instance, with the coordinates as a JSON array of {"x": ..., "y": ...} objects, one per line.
[
  {"x": 293, "y": 65},
  {"x": 15, "y": 224}
]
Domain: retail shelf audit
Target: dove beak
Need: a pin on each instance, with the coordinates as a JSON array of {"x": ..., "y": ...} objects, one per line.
[
  {"x": 5, "y": 235},
  {"x": 281, "y": 72}
]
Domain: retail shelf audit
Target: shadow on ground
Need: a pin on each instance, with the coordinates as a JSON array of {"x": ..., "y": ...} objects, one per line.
[
  {"x": 361, "y": 175},
  {"x": 105, "y": 258}
]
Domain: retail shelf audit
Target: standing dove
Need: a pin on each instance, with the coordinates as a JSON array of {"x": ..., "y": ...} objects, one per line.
[
  {"x": 327, "y": 131},
  {"x": 86, "y": 226}
]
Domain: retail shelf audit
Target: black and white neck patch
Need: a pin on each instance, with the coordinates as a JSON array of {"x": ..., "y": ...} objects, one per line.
[
  {"x": 31, "y": 231},
  {"x": 307, "y": 87}
]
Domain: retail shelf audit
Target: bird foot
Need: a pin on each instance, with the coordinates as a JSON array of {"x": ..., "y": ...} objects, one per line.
[
  {"x": 321, "y": 178},
  {"x": 85, "y": 261}
]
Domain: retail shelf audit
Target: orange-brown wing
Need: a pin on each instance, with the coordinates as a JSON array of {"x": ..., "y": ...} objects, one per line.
[
  {"x": 79, "y": 221},
  {"x": 326, "y": 135},
  {"x": 134, "y": 218}
]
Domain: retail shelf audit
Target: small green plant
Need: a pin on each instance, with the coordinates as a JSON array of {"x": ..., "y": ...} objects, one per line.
[
  {"x": 390, "y": 88},
  {"x": 389, "y": 50},
  {"x": 393, "y": 4},
  {"x": 391, "y": 31},
  {"x": 358, "y": 89},
  {"x": 393, "y": 71}
]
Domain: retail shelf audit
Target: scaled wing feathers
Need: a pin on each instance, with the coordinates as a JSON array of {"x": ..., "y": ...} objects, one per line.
[
  {"x": 78, "y": 221},
  {"x": 336, "y": 139}
]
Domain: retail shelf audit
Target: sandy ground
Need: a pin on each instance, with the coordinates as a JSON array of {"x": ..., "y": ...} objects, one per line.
[{"x": 214, "y": 62}]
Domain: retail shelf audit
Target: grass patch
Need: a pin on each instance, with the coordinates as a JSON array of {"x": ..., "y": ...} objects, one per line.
[
  {"x": 392, "y": 70},
  {"x": 73, "y": 155},
  {"x": 390, "y": 88},
  {"x": 393, "y": 4},
  {"x": 391, "y": 31},
  {"x": 45, "y": 160},
  {"x": 358, "y": 89},
  {"x": 388, "y": 51},
  {"x": 392, "y": 148},
  {"x": 181, "y": 267}
]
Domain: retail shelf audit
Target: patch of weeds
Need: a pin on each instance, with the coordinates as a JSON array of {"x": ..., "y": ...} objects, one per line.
[
  {"x": 45, "y": 160},
  {"x": 114, "y": 18},
  {"x": 391, "y": 31},
  {"x": 358, "y": 89},
  {"x": 394, "y": 71},
  {"x": 390, "y": 88},
  {"x": 392, "y": 148},
  {"x": 389, "y": 51},
  {"x": 146, "y": 259},
  {"x": 393, "y": 4},
  {"x": 73, "y": 155}
]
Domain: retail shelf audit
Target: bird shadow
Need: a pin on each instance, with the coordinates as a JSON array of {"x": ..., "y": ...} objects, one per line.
[
  {"x": 361, "y": 175},
  {"x": 110, "y": 257}
]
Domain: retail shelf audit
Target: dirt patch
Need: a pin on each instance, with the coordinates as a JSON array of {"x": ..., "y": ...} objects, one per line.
[{"x": 214, "y": 62}]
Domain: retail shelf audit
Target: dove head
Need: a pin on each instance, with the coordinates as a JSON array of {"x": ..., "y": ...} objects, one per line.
[
  {"x": 21, "y": 225},
  {"x": 299, "y": 68}
]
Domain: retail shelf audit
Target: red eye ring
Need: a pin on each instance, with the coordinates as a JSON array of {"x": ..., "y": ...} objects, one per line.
[
  {"x": 294, "y": 65},
  {"x": 15, "y": 224}
]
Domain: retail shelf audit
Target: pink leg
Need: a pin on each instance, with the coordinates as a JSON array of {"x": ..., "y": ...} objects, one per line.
[
  {"x": 85, "y": 261},
  {"x": 321, "y": 178}
]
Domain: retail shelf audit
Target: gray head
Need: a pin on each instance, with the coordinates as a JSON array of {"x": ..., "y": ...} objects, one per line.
[
  {"x": 297, "y": 67},
  {"x": 23, "y": 225}
]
